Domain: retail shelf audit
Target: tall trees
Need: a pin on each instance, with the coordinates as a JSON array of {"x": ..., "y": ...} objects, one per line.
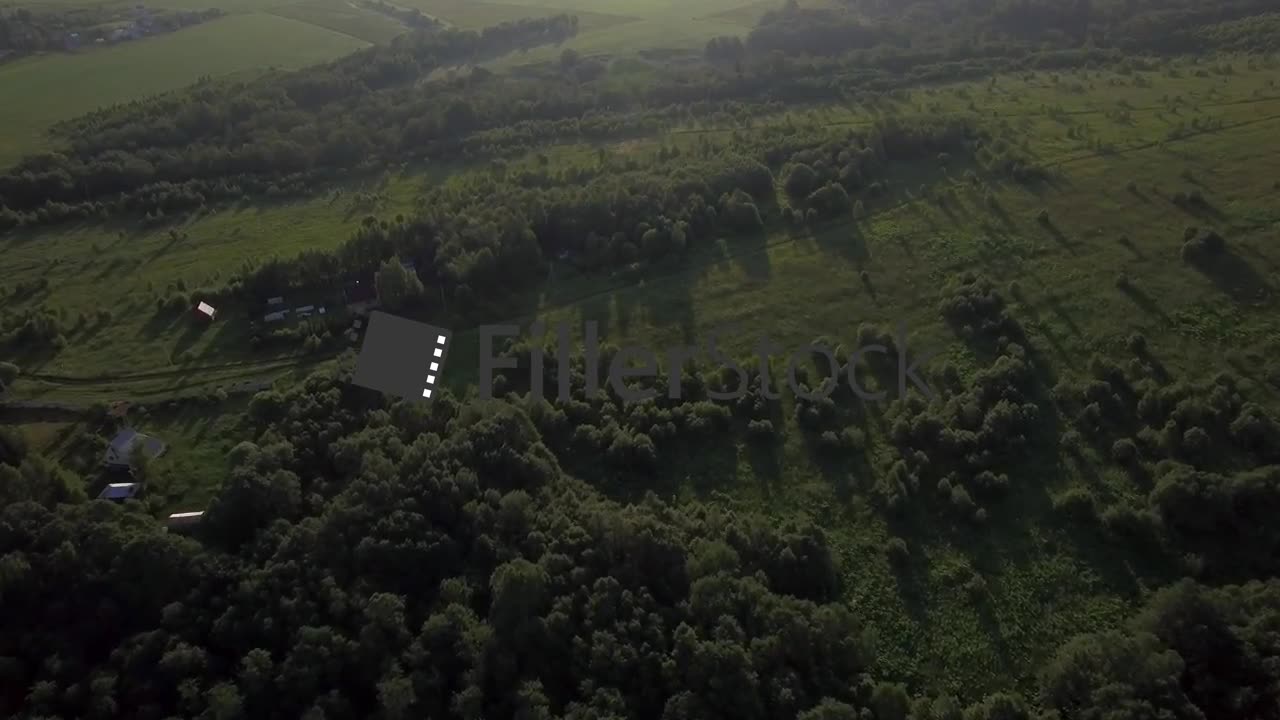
[{"x": 398, "y": 285}]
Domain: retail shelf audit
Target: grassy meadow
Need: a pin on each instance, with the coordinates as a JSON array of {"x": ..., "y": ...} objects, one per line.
[{"x": 43, "y": 90}]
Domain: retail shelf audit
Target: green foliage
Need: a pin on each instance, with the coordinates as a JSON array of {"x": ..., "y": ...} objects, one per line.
[{"x": 398, "y": 286}]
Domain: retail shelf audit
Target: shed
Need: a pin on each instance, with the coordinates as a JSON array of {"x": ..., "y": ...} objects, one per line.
[
  {"x": 205, "y": 310},
  {"x": 184, "y": 520},
  {"x": 120, "y": 491},
  {"x": 275, "y": 301},
  {"x": 275, "y": 316}
]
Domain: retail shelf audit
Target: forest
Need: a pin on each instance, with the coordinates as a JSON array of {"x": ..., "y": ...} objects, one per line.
[{"x": 369, "y": 558}]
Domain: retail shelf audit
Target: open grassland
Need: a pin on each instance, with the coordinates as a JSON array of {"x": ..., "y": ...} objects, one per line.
[
  {"x": 41, "y": 91},
  {"x": 125, "y": 270},
  {"x": 343, "y": 17}
]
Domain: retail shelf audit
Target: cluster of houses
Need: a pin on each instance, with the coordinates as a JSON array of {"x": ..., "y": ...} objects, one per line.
[
  {"x": 360, "y": 296},
  {"x": 140, "y": 26},
  {"x": 119, "y": 459},
  {"x": 276, "y": 312}
]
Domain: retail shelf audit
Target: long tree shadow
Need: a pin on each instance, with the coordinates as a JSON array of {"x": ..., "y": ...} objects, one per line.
[
  {"x": 846, "y": 241},
  {"x": 1144, "y": 301},
  {"x": 1060, "y": 237},
  {"x": 1235, "y": 277}
]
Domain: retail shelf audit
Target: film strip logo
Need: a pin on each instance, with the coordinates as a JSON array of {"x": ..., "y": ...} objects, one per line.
[
  {"x": 402, "y": 357},
  {"x": 437, "y": 354}
]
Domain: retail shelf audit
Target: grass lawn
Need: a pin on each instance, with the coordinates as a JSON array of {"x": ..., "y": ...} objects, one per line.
[{"x": 43, "y": 90}]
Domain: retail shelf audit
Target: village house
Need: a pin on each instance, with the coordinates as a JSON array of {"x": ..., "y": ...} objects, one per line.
[{"x": 119, "y": 453}]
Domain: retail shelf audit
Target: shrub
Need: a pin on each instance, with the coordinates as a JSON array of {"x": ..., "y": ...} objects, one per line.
[
  {"x": 1124, "y": 451},
  {"x": 1075, "y": 503},
  {"x": 962, "y": 501},
  {"x": 760, "y": 428},
  {"x": 1137, "y": 343},
  {"x": 897, "y": 552},
  {"x": 975, "y": 587},
  {"x": 8, "y": 373},
  {"x": 1198, "y": 249},
  {"x": 801, "y": 181},
  {"x": 853, "y": 439}
]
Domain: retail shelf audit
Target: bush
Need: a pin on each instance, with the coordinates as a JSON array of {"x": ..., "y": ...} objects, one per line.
[
  {"x": 801, "y": 181},
  {"x": 1124, "y": 451},
  {"x": 8, "y": 373},
  {"x": 1201, "y": 248},
  {"x": 897, "y": 552},
  {"x": 760, "y": 428},
  {"x": 1075, "y": 503}
]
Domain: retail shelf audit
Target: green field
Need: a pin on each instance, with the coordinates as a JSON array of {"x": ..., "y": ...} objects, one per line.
[
  {"x": 126, "y": 268},
  {"x": 44, "y": 90},
  {"x": 479, "y": 14}
]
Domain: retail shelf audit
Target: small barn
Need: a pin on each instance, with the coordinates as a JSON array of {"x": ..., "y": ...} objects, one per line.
[
  {"x": 205, "y": 311},
  {"x": 120, "y": 491}
]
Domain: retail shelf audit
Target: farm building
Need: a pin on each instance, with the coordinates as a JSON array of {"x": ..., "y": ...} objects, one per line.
[
  {"x": 205, "y": 311},
  {"x": 125, "y": 443},
  {"x": 120, "y": 491},
  {"x": 184, "y": 520}
]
